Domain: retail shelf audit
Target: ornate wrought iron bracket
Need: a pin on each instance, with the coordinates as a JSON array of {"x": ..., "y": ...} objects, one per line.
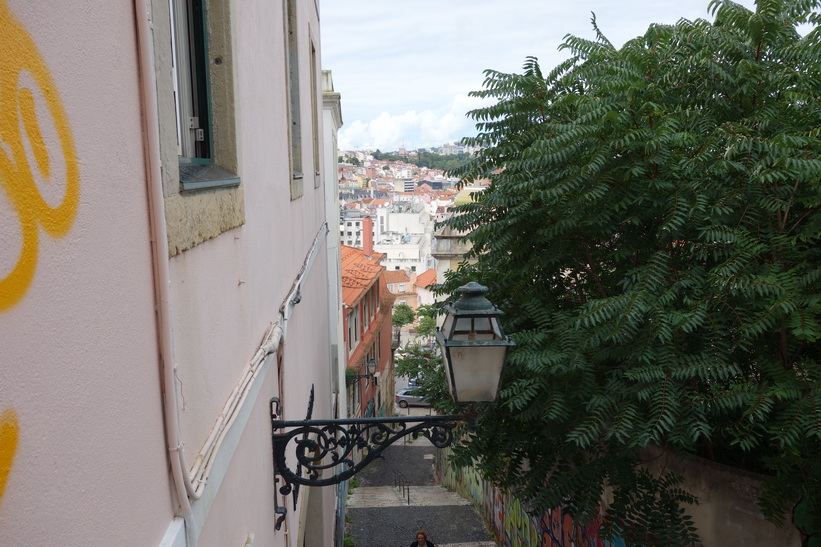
[{"x": 326, "y": 449}]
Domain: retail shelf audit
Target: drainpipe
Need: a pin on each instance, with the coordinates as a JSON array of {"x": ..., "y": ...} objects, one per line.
[{"x": 148, "y": 84}]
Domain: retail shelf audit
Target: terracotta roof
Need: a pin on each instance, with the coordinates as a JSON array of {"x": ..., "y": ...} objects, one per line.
[
  {"x": 396, "y": 276},
  {"x": 359, "y": 273},
  {"x": 426, "y": 279}
]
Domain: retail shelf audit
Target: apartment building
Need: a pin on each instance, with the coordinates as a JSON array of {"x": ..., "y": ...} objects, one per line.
[
  {"x": 401, "y": 285},
  {"x": 367, "y": 306}
]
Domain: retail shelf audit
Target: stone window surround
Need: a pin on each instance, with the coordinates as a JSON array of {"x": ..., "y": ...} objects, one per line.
[{"x": 199, "y": 210}]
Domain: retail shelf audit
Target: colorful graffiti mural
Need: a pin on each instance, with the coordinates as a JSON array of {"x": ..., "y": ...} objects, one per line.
[
  {"x": 31, "y": 119},
  {"x": 512, "y": 524},
  {"x": 9, "y": 433}
]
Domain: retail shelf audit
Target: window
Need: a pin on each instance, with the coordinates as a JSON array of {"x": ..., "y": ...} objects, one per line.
[
  {"x": 207, "y": 158},
  {"x": 353, "y": 328},
  {"x": 378, "y": 347},
  {"x": 401, "y": 287},
  {"x": 198, "y": 142},
  {"x": 191, "y": 79},
  {"x": 315, "y": 118},
  {"x": 366, "y": 308},
  {"x": 353, "y": 399},
  {"x": 295, "y": 128}
]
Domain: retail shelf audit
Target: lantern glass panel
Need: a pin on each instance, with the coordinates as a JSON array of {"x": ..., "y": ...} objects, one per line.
[
  {"x": 481, "y": 325},
  {"x": 447, "y": 325},
  {"x": 476, "y": 372},
  {"x": 476, "y": 328},
  {"x": 463, "y": 326}
]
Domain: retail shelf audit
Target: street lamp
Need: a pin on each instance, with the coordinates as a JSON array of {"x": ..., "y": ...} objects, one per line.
[
  {"x": 370, "y": 372},
  {"x": 474, "y": 349},
  {"x": 474, "y": 346}
]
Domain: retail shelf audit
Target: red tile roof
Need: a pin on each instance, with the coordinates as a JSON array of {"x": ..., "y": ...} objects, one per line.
[
  {"x": 396, "y": 276},
  {"x": 426, "y": 279},
  {"x": 359, "y": 273}
]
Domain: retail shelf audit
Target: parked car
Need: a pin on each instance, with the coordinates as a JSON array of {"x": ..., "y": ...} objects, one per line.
[{"x": 410, "y": 397}]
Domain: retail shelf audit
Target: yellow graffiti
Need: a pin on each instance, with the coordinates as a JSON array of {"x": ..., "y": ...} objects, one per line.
[
  {"x": 20, "y": 129},
  {"x": 8, "y": 445}
]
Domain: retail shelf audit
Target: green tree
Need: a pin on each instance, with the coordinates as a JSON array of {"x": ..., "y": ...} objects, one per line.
[
  {"x": 427, "y": 159},
  {"x": 426, "y": 322},
  {"x": 402, "y": 315},
  {"x": 425, "y": 364},
  {"x": 652, "y": 231}
]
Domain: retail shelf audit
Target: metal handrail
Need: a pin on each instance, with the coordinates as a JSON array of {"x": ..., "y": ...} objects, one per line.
[{"x": 401, "y": 482}]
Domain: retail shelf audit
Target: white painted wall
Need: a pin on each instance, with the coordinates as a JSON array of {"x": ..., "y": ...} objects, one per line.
[
  {"x": 78, "y": 365},
  {"x": 81, "y": 415},
  {"x": 332, "y": 122}
]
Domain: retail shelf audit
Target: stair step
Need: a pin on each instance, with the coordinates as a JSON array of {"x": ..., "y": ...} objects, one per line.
[{"x": 388, "y": 496}]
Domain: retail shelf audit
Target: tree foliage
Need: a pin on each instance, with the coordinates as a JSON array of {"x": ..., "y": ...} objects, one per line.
[
  {"x": 402, "y": 315},
  {"x": 426, "y": 322},
  {"x": 425, "y": 365},
  {"x": 427, "y": 159},
  {"x": 652, "y": 230}
]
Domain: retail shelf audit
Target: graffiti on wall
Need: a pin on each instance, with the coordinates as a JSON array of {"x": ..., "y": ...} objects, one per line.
[
  {"x": 510, "y": 521},
  {"x": 9, "y": 433},
  {"x": 41, "y": 183}
]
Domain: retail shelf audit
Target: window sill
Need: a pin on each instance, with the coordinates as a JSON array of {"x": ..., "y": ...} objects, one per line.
[{"x": 200, "y": 176}]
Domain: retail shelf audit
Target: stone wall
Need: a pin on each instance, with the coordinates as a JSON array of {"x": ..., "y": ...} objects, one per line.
[
  {"x": 512, "y": 525},
  {"x": 726, "y": 516}
]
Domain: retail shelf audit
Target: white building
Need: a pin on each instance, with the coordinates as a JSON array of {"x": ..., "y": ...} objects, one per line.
[
  {"x": 350, "y": 228},
  {"x": 403, "y": 234}
]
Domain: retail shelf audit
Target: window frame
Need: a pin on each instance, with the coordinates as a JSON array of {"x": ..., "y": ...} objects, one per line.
[
  {"x": 199, "y": 167},
  {"x": 291, "y": 22}
]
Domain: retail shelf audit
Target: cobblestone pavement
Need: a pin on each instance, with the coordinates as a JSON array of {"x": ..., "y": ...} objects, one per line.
[{"x": 379, "y": 514}]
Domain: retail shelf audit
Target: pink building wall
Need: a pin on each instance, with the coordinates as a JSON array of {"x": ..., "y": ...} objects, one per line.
[
  {"x": 83, "y": 452},
  {"x": 79, "y": 375}
]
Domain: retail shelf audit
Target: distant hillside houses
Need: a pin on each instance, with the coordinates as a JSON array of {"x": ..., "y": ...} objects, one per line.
[
  {"x": 400, "y": 224},
  {"x": 391, "y": 208}
]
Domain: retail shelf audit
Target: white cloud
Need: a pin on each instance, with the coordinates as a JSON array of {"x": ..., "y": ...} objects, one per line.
[
  {"x": 404, "y": 70},
  {"x": 411, "y": 129}
]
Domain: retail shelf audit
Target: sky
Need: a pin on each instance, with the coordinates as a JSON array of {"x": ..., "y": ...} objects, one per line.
[{"x": 404, "y": 68}]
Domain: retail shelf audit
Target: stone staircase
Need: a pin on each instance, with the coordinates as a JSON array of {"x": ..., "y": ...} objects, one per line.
[{"x": 380, "y": 512}]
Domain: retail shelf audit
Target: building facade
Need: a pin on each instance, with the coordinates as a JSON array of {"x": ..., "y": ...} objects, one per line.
[
  {"x": 164, "y": 271},
  {"x": 367, "y": 307}
]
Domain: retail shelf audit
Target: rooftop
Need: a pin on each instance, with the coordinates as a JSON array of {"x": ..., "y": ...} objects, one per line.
[
  {"x": 359, "y": 273},
  {"x": 426, "y": 278}
]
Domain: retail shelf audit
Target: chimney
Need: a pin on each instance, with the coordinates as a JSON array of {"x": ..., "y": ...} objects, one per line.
[{"x": 367, "y": 236}]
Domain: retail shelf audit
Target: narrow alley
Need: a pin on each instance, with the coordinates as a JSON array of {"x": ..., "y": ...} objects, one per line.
[{"x": 381, "y": 514}]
